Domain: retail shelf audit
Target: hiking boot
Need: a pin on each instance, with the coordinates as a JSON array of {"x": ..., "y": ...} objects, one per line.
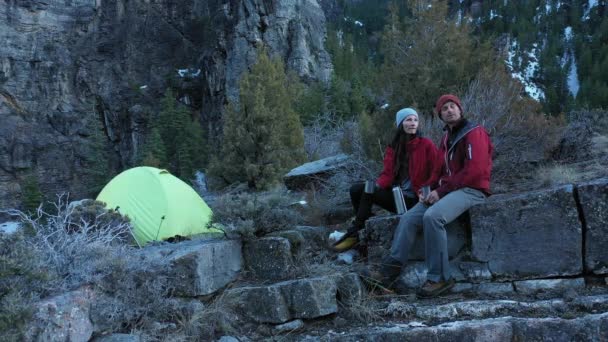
[
  {"x": 432, "y": 289},
  {"x": 348, "y": 240}
]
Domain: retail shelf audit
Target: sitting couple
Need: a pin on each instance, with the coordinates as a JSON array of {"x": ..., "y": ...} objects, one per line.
[{"x": 458, "y": 174}]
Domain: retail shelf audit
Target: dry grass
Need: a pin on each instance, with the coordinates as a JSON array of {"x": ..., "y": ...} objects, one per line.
[
  {"x": 600, "y": 145},
  {"x": 367, "y": 310},
  {"x": 205, "y": 325},
  {"x": 557, "y": 175}
]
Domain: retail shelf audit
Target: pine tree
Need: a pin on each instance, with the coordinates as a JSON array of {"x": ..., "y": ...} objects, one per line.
[
  {"x": 173, "y": 118},
  {"x": 96, "y": 162},
  {"x": 262, "y": 134},
  {"x": 433, "y": 55},
  {"x": 31, "y": 197},
  {"x": 311, "y": 102},
  {"x": 176, "y": 141},
  {"x": 154, "y": 153},
  {"x": 357, "y": 100},
  {"x": 338, "y": 96},
  {"x": 191, "y": 154}
]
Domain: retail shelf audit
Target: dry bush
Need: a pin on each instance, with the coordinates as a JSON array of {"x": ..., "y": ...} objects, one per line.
[
  {"x": 22, "y": 282},
  {"x": 72, "y": 245},
  {"x": 324, "y": 135},
  {"x": 600, "y": 145},
  {"x": 522, "y": 136},
  {"x": 586, "y": 136},
  {"x": 54, "y": 253},
  {"x": 252, "y": 215},
  {"x": 330, "y": 193},
  {"x": 80, "y": 245},
  {"x": 557, "y": 175},
  {"x": 596, "y": 118}
]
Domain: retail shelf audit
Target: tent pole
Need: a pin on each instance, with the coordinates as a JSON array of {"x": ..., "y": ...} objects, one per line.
[{"x": 160, "y": 224}]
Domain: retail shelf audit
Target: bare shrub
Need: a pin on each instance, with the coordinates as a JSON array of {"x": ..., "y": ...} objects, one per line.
[
  {"x": 596, "y": 118},
  {"x": 251, "y": 215},
  {"x": 490, "y": 99},
  {"x": 72, "y": 247},
  {"x": 55, "y": 253},
  {"x": 323, "y": 136},
  {"x": 522, "y": 136},
  {"x": 22, "y": 282},
  {"x": 600, "y": 145},
  {"x": 557, "y": 175},
  {"x": 585, "y": 137}
]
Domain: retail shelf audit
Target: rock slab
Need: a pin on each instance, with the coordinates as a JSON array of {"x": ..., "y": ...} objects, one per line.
[
  {"x": 593, "y": 199},
  {"x": 531, "y": 235}
]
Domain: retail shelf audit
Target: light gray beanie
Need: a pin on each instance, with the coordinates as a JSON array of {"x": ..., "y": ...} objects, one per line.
[{"x": 402, "y": 114}]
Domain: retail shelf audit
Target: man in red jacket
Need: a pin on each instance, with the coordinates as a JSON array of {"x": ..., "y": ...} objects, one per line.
[{"x": 460, "y": 180}]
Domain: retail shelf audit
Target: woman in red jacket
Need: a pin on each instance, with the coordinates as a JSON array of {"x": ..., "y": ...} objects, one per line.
[{"x": 408, "y": 163}]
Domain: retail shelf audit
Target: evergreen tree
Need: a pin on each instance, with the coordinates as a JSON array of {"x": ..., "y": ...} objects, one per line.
[
  {"x": 154, "y": 153},
  {"x": 191, "y": 154},
  {"x": 173, "y": 118},
  {"x": 96, "y": 161},
  {"x": 433, "y": 55},
  {"x": 310, "y": 102},
  {"x": 357, "y": 100},
  {"x": 263, "y": 136},
  {"x": 175, "y": 141},
  {"x": 338, "y": 96},
  {"x": 31, "y": 197}
]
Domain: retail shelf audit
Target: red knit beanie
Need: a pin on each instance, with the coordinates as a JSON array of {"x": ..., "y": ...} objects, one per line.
[{"x": 445, "y": 98}]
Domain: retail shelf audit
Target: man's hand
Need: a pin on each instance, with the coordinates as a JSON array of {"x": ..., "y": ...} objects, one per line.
[{"x": 431, "y": 198}]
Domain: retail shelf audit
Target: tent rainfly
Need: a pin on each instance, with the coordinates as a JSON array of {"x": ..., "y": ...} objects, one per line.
[{"x": 159, "y": 205}]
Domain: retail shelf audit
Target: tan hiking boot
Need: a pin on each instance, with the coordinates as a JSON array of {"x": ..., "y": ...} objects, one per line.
[{"x": 432, "y": 289}]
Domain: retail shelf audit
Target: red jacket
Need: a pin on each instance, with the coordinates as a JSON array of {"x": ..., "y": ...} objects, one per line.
[
  {"x": 422, "y": 155},
  {"x": 466, "y": 162}
]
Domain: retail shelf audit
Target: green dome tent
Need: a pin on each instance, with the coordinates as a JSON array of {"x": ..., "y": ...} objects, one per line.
[{"x": 159, "y": 204}]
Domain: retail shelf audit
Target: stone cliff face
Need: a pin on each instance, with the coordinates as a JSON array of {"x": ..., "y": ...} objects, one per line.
[{"x": 67, "y": 67}]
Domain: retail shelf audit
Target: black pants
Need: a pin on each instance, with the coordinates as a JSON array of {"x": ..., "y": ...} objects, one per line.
[{"x": 362, "y": 202}]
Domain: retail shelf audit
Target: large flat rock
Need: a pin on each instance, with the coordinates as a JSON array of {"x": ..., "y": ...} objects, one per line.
[
  {"x": 62, "y": 318},
  {"x": 585, "y": 328},
  {"x": 269, "y": 258},
  {"x": 530, "y": 235},
  {"x": 593, "y": 198},
  {"x": 309, "y": 174},
  {"x": 199, "y": 267},
  {"x": 284, "y": 301}
]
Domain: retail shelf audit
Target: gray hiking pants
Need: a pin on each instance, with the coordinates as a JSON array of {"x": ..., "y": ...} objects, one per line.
[{"x": 433, "y": 220}]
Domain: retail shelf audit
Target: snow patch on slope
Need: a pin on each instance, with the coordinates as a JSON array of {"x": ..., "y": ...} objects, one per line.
[{"x": 525, "y": 73}]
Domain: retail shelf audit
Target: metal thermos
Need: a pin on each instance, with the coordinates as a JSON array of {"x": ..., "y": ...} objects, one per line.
[
  {"x": 369, "y": 187},
  {"x": 426, "y": 190},
  {"x": 399, "y": 201}
]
